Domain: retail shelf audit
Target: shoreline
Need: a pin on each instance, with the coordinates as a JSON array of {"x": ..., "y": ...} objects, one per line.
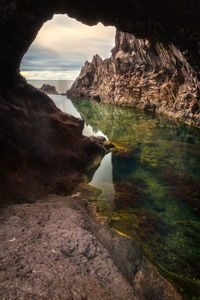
[{"x": 167, "y": 114}]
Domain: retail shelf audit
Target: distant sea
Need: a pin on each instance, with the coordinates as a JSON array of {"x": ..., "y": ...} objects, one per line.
[{"x": 61, "y": 85}]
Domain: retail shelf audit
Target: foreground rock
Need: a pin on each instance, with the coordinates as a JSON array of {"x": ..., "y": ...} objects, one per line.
[
  {"x": 145, "y": 75},
  {"x": 48, "y": 89},
  {"x": 42, "y": 150},
  {"x": 53, "y": 249}
]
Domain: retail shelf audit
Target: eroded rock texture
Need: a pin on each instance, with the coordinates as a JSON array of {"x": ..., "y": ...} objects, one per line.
[
  {"x": 53, "y": 249},
  {"x": 145, "y": 75}
]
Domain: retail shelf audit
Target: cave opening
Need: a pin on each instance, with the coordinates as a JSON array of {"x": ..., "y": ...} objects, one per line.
[
  {"x": 61, "y": 48},
  {"x": 154, "y": 164}
]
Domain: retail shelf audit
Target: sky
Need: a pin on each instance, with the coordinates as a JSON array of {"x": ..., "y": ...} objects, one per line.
[{"x": 62, "y": 46}]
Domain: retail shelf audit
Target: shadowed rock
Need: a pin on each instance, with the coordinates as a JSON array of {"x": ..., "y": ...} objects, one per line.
[
  {"x": 172, "y": 21},
  {"x": 42, "y": 149}
]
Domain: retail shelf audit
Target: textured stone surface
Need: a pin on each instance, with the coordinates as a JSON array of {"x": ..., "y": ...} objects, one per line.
[
  {"x": 42, "y": 150},
  {"x": 53, "y": 249},
  {"x": 146, "y": 75},
  {"x": 48, "y": 89}
]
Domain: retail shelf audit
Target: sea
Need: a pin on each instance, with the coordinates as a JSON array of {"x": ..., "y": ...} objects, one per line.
[{"x": 61, "y": 85}]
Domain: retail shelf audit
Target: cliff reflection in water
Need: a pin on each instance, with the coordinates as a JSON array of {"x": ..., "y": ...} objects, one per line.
[
  {"x": 103, "y": 179},
  {"x": 67, "y": 106},
  {"x": 155, "y": 195}
]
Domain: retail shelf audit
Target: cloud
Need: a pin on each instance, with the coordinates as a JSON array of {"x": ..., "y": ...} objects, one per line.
[
  {"x": 63, "y": 45},
  {"x": 49, "y": 75}
]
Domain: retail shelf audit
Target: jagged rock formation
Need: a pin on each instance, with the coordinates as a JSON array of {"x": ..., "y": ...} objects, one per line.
[
  {"x": 48, "y": 89},
  {"x": 145, "y": 75}
]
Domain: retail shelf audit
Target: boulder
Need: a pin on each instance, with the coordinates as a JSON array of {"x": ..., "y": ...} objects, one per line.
[{"x": 48, "y": 89}]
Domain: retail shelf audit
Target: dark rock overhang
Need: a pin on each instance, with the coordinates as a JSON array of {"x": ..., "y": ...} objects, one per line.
[{"x": 172, "y": 21}]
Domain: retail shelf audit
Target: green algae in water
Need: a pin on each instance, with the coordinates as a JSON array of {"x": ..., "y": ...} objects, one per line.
[{"x": 151, "y": 187}]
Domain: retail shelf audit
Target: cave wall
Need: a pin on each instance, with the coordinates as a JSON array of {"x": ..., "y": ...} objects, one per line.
[{"x": 170, "y": 21}]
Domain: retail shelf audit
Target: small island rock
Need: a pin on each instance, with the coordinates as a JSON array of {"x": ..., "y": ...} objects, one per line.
[{"x": 48, "y": 89}]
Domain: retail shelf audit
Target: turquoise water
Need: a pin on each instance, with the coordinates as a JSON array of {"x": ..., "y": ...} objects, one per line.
[{"x": 150, "y": 185}]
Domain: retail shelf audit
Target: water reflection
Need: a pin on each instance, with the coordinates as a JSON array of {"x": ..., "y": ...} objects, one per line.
[
  {"x": 88, "y": 131},
  {"x": 103, "y": 179},
  {"x": 67, "y": 106},
  {"x": 151, "y": 185}
]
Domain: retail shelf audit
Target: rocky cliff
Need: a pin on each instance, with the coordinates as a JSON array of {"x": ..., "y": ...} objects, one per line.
[{"x": 145, "y": 75}]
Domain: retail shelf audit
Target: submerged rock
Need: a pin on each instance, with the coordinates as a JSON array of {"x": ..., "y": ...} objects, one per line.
[
  {"x": 48, "y": 89},
  {"x": 130, "y": 193},
  {"x": 186, "y": 189},
  {"x": 142, "y": 74}
]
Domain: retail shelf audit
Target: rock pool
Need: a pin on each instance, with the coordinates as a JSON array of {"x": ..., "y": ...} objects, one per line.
[{"x": 150, "y": 185}]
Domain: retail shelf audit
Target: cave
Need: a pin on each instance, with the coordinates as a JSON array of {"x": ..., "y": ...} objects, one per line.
[
  {"x": 143, "y": 20},
  {"x": 43, "y": 151}
]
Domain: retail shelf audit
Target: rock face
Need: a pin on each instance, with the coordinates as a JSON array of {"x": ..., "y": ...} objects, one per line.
[
  {"x": 48, "y": 89},
  {"x": 42, "y": 150},
  {"x": 145, "y": 75},
  {"x": 53, "y": 249}
]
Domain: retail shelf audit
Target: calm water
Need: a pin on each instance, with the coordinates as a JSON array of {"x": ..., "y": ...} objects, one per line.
[
  {"x": 150, "y": 185},
  {"x": 67, "y": 106}
]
